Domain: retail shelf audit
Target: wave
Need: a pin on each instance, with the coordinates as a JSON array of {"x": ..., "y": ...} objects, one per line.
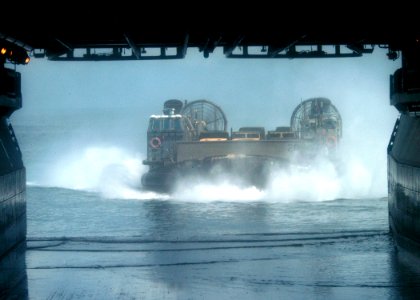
[
  {"x": 324, "y": 180},
  {"x": 115, "y": 173},
  {"x": 110, "y": 171}
]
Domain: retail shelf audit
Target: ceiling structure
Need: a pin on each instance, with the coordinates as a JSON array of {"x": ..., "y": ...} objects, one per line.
[{"x": 123, "y": 36}]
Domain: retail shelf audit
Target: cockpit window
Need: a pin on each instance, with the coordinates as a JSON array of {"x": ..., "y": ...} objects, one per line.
[
  {"x": 154, "y": 124},
  {"x": 177, "y": 124},
  {"x": 166, "y": 124},
  {"x": 330, "y": 124}
]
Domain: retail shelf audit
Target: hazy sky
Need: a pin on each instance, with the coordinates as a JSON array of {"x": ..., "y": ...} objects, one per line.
[{"x": 259, "y": 92}]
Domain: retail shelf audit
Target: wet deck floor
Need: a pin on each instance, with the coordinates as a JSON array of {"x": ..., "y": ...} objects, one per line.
[{"x": 345, "y": 265}]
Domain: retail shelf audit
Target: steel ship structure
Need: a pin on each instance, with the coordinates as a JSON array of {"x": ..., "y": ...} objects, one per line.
[
  {"x": 404, "y": 156},
  {"x": 12, "y": 189}
]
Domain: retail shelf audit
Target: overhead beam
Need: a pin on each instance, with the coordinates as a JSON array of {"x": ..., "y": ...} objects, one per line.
[
  {"x": 228, "y": 50},
  {"x": 114, "y": 54},
  {"x": 136, "y": 51},
  {"x": 65, "y": 45},
  {"x": 209, "y": 45},
  {"x": 60, "y": 48},
  {"x": 274, "y": 50},
  {"x": 292, "y": 52},
  {"x": 15, "y": 41},
  {"x": 360, "y": 48},
  {"x": 184, "y": 47}
]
